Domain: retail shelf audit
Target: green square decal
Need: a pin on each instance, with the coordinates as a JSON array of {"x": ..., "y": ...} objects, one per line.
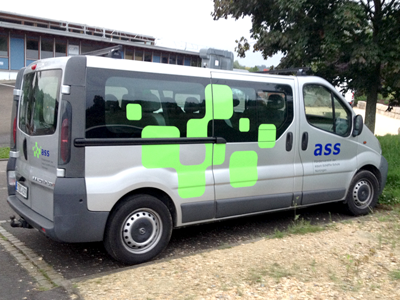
[
  {"x": 244, "y": 124},
  {"x": 243, "y": 169},
  {"x": 266, "y": 136},
  {"x": 153, "y": 131},
  {"x": 223, "y": 101},
  {"x": 133, "y": 112}
]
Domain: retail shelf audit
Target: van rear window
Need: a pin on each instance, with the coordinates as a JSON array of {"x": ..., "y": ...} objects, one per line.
[{"x": 39, "y": 105}]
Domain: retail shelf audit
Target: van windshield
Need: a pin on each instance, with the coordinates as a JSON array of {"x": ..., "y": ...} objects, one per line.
[{"x": 39, "y": 105}]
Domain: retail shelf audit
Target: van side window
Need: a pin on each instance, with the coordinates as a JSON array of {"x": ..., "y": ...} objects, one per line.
[
  {"x": 120, "y": 104},
  {"x": 325, "y": 111},
  {"x": 255, "y": 104}
]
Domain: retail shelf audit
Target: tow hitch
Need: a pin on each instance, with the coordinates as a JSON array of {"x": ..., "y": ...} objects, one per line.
[{"x": 20, "y": 223}]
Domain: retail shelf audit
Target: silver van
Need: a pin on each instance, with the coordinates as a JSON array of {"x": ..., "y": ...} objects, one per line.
[{"x": 124, "y": 151}]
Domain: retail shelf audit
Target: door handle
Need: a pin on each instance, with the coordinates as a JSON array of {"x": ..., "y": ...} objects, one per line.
[
  {"x": 304, "y": 141},
  {"x": 289, "y": 141}
]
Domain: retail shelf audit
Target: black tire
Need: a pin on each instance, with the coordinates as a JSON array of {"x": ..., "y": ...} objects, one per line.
[
  {"x": 138, "y": 229},
  {"x": 363, "y": 193}
]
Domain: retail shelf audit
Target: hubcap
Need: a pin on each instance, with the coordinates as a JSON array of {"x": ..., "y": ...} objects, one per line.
[
  {"x": 141, "y": 231},
  {"x": 362, "y": 194}
]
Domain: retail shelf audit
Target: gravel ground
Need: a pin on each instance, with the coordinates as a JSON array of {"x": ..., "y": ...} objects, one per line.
[{"x": 358, "y": 259}]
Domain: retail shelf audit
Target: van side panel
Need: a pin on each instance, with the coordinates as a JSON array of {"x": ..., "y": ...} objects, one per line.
[{"x": 73, "y": 222}]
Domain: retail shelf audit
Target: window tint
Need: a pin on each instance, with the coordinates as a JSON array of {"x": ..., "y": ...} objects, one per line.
[
  {"x": 3, "y": 46},
  {"x": 254, "y": 106},
  {"x": 32, "y": 49},
  {"x": 39, "y": 105},
  {"x": 120, "y": 104},
  {"x": 61, "y": 48},
  {"x": 325, "y": 111},
  {"x": 46, "y": 48}
]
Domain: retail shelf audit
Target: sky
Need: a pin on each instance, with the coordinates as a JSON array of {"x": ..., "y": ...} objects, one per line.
[{"x": 180, "y": 24}]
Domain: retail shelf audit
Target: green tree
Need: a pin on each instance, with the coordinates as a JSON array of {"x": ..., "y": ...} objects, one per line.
[
  {"x": 237, "y": 65},
  {"x": 356, "y": 43},
  {"x": 254, "y": 69}
]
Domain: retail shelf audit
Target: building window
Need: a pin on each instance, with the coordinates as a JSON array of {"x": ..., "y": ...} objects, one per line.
[
  {"x": 180, "y": 60},
  {"x": 129, "y": 54},
  {"x": 46, "y": 48},
  {"x": 164, "y": 58},
  {"x": 61, "y": 48},
  {"x": 147, "y": 56},
  {"x": 139, "y": 55},
  {"x": 90, "y": 47},
  {"x": 194, "y": 62},
  {"x": 187, "y": 61},
  {"x": 156, "y": 57},
  {"x": 73, "y": 49},
  {"x": 172, "y": 59},
  {"x": 32, "y": 49},
  {"x": 3, "y": 46}
]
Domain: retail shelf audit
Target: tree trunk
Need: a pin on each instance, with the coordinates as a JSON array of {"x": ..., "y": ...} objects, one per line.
[
  {"x": 370, "y": 110},
  {"x": 372, "y": 98}
]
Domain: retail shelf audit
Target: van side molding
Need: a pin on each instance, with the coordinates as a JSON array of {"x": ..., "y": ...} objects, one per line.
[{"x": 82, "y": 142}]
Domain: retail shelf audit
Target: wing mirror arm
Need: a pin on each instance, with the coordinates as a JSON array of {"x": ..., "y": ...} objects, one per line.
[{"x": 358, "y": 125}]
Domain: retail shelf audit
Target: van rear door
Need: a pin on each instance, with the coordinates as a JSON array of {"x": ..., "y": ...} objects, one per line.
[{"x": 37, "y": 139}]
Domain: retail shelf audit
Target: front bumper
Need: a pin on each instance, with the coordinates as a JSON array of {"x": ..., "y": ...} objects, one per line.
[{"x": 383, "y": 169}]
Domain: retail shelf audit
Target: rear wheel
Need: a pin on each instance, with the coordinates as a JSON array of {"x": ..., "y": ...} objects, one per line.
[
  {"x": 138, "y": 229},
  {"x": 362, "y": 196}
]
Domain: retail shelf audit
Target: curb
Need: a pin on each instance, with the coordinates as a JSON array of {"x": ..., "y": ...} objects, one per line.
[{"x": 44, "y": 274}]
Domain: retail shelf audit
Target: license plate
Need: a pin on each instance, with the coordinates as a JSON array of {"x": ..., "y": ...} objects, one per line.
[{"x": 22, "y": 190}]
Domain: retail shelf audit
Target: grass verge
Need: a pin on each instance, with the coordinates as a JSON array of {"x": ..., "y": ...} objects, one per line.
[
  {"x": 4, "y": 152},
  {"x": 390, "y": 150}
]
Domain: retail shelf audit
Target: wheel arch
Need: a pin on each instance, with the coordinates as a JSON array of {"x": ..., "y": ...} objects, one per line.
[
  {"x": 374, "y": 170},
  {"x": 371, "y": 168},
  {"x": 157, "y": 193},
  {"x": 363, "y": 193}
]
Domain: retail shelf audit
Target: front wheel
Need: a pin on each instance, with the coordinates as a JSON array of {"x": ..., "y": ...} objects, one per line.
[
  {"x": 362, "y": 196},
  {"x": 138, "y": 229}
]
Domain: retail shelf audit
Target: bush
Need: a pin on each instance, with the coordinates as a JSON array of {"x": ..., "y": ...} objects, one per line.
[{"x": 361, "y": 98}]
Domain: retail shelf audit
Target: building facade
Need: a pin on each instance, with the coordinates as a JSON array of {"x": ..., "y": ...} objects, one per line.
[{"x": 24, "y": 39}]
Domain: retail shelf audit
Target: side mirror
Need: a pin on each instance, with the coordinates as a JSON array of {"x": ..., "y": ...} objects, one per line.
[{"x": 358, "y": 125}]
